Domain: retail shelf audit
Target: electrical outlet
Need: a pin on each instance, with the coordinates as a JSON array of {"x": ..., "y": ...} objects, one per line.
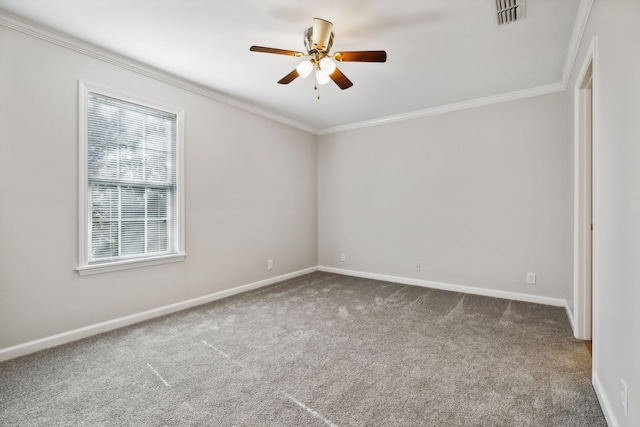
[
  {"x": 624, "y": 397},
  {"x": 417, "y": 266},
  {"x": 270, "y": 264},
  {"x": 531, "y": 278},
  {"x": 343, "y": 257}
]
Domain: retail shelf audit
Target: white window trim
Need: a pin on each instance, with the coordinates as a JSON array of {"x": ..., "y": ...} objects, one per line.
[{"x": 84, "y": 268}]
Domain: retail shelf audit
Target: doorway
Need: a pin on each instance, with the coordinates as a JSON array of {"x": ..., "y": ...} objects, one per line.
[{"x": 585, "y": 226}]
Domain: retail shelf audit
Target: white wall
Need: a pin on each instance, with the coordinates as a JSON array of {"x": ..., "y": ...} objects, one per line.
[
  {"x": 617, "y": 201},
  {"x": 479, "y": 197},
  {"x": 250, "y": 196}
]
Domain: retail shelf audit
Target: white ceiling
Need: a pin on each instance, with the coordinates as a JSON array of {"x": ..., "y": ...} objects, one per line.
[{"x": 440, "y": 52}]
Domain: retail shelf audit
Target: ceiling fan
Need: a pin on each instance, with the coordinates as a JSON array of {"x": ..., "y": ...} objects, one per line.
[{"x": 318, "y": 41}]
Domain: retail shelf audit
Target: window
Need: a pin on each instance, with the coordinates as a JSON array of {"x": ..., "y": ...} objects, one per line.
[{"x": 130, "y": 191}]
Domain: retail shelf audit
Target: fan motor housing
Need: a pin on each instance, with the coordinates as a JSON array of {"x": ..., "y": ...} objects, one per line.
[{"x": 308, "y": 41}]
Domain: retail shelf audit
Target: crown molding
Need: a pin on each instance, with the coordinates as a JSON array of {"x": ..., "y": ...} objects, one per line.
[
  {"x": 84, "y": 48},
  {"x": 496, "y": 99},
  {"x": 584, "y": 10}
]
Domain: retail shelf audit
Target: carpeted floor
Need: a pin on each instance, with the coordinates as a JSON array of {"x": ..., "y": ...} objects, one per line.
[{"x": 318, "y": 350}]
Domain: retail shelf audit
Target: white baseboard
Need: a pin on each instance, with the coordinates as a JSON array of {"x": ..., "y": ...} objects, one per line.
[
  {"x": 605, "y": 403},
  {"x": 87, "y": 331},
  {"x": 570, "y": 317},
  {"x": 450, "y": 287}
]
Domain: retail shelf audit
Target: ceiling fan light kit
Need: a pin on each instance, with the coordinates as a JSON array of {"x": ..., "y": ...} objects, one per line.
[
  {"x": 322, "y": 78},
  {"x": 327, "y": 65},
  {"x": 304, "y": 69},
  {"x": 318, "y": 41}
]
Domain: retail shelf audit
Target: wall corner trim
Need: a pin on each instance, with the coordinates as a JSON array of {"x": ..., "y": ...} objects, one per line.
[{"x": 87, "y": 331}]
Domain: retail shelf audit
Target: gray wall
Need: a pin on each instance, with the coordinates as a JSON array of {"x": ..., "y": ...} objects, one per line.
[
  {"x": 617, "y": 201},
  {"x": 479, "y": 197},
  {"x": 250, "y": 196}
]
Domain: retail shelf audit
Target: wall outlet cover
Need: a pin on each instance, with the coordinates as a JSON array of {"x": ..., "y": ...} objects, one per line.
[{"x": 531, "y": 278}]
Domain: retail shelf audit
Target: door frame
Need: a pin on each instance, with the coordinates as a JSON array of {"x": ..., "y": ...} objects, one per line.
[{"x": 585, "y": 195}]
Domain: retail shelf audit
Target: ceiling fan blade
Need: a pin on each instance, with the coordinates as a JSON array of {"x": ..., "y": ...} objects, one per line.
[
  {"x": 276, "y": 51},
  {"x": 362, "y": 56},
  {"x": 289, "y": 77},
  {"x": 321, "y": 33},
  {"x": 340, "y": 79}
]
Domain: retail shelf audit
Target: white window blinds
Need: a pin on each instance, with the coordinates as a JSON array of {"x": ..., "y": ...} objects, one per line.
[{"x": 131, "y": 172}]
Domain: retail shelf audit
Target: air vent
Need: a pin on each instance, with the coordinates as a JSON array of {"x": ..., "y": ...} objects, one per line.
[{"x": 508, "y": 11}]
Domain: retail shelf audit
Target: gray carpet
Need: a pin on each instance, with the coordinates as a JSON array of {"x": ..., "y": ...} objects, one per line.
[{"x": 319, "y": 350}]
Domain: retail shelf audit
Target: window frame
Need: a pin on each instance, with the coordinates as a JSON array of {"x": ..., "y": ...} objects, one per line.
[{"x": 84, "y": 214}]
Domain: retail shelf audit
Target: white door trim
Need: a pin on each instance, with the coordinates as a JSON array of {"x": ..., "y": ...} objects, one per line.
[{"x": 585, "y": 144}]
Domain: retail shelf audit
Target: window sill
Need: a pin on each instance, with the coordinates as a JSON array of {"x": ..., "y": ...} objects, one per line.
[{"x": 86, "y": 270}]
